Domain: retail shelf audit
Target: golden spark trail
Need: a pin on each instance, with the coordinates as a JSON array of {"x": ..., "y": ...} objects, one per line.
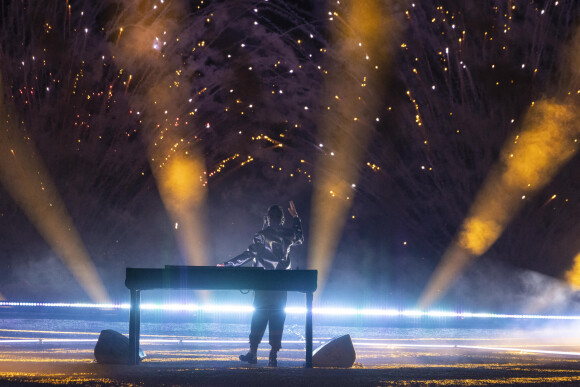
[{"x": 26, "y": 179}]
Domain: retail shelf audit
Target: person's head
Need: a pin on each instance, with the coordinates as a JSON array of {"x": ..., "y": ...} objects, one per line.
[{"x": 275, "y": 215}]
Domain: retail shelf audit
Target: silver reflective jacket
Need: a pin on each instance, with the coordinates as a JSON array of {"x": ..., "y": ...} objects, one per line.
[{"x": 271, "y": 247}]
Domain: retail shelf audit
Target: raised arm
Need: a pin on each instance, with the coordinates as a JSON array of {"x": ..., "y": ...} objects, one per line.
[
  {"x": 292, "y": 210},
  {"x": 296, "y": 224}
]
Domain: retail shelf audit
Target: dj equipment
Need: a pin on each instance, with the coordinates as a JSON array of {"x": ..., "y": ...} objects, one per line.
[{"x": 216, "y": 278}]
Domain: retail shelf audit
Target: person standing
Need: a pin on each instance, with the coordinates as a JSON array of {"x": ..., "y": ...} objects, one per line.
[{"x": 270, "y": 249}]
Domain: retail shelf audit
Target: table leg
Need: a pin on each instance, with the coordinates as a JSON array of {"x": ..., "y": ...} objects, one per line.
[
  {"x": 309, "y": 297},
  {"x": 134, "y": 326}
]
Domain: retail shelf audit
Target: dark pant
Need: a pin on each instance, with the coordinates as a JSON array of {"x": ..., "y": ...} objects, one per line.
[{"x": 268, "y": 310}]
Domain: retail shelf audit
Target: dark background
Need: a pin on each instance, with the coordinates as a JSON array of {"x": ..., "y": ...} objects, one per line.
[{"x": 405, "y": 216}]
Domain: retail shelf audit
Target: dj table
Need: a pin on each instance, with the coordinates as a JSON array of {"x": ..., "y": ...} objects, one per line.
[{"x": 216, "y": 278}]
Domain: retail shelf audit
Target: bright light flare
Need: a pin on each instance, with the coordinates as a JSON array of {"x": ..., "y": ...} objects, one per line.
[
  {"x": 335, "y": 311},
  {"x": 26, "y": 179},
  {"x": 527, "y": 164}
]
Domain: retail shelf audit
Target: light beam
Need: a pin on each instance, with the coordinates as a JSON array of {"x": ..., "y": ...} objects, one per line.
[
  {"x": 27, "y": 180},
  {"x": 158, "y": 91},
  {"x": 527, "y": 164},
  {"x": 337, "y": 311},
  {"x": 573, "y": 275},
  {"x": 355, "y": 73}
]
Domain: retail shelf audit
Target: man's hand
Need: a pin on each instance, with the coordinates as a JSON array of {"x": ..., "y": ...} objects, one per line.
[
  {"x": 220, "y": 265},
  {"x": 292, "y": 209}
]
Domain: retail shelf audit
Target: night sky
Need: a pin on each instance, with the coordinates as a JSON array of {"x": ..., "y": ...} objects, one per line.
[{"x": 251, "y": 76}]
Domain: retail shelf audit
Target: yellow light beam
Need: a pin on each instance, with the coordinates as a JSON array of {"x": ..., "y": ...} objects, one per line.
[
  {"x": 528, "y": 163},
  {"x": 181, "y": 185},
  {"x": 177, "y": 165},
  {"x": 359, "y": 53},
  {"x": 25, "y": 178},
  {"x": 572, "y": 276}
]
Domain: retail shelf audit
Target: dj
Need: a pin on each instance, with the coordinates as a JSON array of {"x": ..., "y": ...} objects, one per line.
[{"x": 270, "y": 250}]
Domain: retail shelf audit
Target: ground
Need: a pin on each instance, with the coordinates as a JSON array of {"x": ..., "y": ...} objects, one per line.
[{"x": 52, "y": 351}]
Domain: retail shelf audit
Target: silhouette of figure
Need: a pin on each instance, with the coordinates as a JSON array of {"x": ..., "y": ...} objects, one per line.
[{"x": 270, "y": 249}]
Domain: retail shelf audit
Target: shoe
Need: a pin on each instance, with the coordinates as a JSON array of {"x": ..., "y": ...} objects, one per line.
[
  {"x": 273, "y": 360},
  {"x": 249, "y": 357}
]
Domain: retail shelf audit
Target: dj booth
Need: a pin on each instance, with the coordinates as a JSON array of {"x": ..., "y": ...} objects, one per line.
[{"x": 216, "y": 278}]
